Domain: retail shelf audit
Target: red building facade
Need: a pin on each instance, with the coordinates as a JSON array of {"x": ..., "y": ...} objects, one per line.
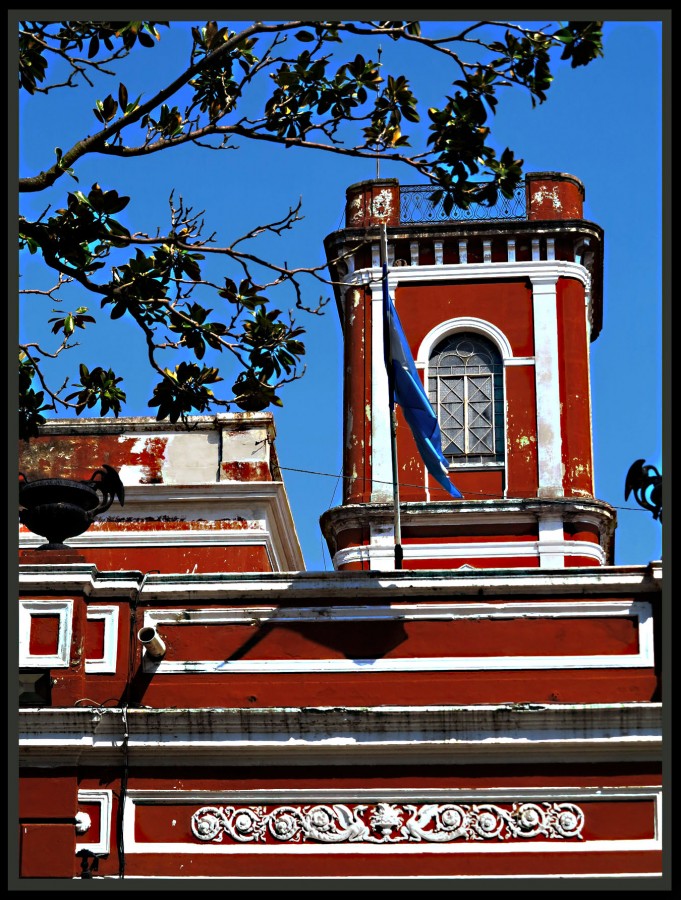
[{"x": 194, "y": 704}]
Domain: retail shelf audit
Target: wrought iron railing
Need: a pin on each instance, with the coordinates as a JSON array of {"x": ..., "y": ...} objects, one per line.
[{"x": 416, "y": 207}]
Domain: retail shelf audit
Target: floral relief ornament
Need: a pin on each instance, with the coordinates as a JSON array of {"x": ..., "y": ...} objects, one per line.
[{"x": 388, "y": 822}]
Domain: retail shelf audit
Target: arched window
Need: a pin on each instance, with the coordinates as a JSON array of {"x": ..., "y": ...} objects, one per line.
[{"x": 465, "y": 386}]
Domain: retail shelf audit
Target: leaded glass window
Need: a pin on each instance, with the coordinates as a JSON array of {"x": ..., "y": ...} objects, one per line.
[{"x": 465, "y": 386}]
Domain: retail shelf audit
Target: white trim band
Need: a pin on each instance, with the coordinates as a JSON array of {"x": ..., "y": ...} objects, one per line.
[{"x": 381, "y": 556}]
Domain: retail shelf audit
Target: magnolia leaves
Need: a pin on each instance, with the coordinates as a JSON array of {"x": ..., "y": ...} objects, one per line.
[
  {"x": 306, "y": 91},
  {"x": 68, "y": 322},
  {"x": 184, "y": 390},
  {"x": 72, "y": 38},
  {"x": 98, "y": 386}
]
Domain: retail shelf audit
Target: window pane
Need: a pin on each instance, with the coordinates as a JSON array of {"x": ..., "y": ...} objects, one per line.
[{"x": 466, "y": 388}]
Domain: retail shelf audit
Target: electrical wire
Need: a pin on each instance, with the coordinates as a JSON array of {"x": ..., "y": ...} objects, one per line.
[
  {"x": 477, "y": 494},
  {"x": 126, "y": 733},
  {"x": 321, "y": 536}
]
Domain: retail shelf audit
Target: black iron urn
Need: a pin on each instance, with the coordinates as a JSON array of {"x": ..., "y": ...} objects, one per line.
[{"x": 59, "y": 508}]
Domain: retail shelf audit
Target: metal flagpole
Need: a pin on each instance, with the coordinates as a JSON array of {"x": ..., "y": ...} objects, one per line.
[{"x": 399, "y": 553}]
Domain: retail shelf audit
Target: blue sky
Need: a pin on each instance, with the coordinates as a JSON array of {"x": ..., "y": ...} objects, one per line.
[{"x": 602, "y": 123}]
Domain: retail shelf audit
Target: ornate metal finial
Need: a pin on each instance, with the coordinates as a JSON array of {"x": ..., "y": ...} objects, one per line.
[
  {"x": 645, "y": 482},
  {"x": 59, "y": 508}
]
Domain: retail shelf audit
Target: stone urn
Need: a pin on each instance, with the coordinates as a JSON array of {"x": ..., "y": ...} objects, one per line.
[{"x": 61, "y": 508}]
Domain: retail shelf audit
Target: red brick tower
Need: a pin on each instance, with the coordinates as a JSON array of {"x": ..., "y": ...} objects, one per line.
[{"x": 499, "y": 307}]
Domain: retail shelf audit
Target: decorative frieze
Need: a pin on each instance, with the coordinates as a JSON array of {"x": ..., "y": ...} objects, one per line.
[{"x": 388, "y": 823}]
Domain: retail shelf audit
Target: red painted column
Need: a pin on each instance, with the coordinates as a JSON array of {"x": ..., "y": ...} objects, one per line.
[{"x": 574, "y": 390}]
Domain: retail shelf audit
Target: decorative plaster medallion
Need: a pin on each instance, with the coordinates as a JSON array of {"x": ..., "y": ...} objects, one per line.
[
  {"x": 381, "y": 205},
  {"x": 83, "y": 822}
]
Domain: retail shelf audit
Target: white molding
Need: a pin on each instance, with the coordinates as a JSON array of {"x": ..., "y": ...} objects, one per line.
[
  {"x": 168, "y": 796},
  {"x": 550, "y": 553},
  {"x": 330, "y": 797},
  {"x": 345, "y": 882},
  {"x": 102, "y": 847},
  {"x": 218, "y": 537},
  {"x": 126, "y": 425},
  {"x": 597, "y": 580},
  {"x": 265, "y": 502},
  {"x": 455, "y": 735},
  {"x": 29, "y": 609},
  {"x": 171, "y": 538},
  {"x": 157, "y": 618},
  {"x": 243, "y": 587},
  {"x": 81, "y": 577},
  {"x": 463, "y": 323},
  {"x": 109, "y": 615},
  {"x": 552, "y": 269}
]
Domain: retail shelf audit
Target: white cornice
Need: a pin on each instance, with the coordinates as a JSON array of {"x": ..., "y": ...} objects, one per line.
[
  {"x": 301, "y": 736},
  {"x": 78, "y": 577},
  {"x": 544, "y": 270},
  {"x": 255, "y": 586},
  {"x": 265, "y": 501},
  {"x": 209, "y": 492},
  {"x": 134, "y": 424},
  {"x": 446, "y": 512}
]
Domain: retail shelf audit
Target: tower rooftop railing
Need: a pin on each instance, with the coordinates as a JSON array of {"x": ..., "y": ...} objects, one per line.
[{"x": 416, "y": 207}]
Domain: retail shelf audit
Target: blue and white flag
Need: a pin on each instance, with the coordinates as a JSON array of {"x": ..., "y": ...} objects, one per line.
[{"x": 406, "y": 389}]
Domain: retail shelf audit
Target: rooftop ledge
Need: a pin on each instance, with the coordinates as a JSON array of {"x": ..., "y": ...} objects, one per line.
[{"x": 517, "y": 732}]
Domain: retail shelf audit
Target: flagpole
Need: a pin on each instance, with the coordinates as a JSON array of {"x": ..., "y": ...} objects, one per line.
[{"x": 399, "y": 553}]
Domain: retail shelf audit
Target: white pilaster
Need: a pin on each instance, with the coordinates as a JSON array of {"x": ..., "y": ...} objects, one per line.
[
  {"x": 551, "y": 542},
  {"x": 382, "y": 538},
  {"x": 381, "y": 459},
  {"x": 549, "y": 443}
]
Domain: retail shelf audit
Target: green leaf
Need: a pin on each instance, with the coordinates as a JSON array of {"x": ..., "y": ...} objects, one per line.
[{"x": 123, "y": 96}]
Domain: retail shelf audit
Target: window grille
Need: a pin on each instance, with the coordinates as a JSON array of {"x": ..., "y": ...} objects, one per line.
[{"x": 465, "y": 386}]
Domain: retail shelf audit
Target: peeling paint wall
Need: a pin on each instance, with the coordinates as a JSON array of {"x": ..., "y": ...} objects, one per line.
[
  {"x": 357, "y": 397},
  {"x": 573, "y": 347},
  {"x": 238, "y": 450},
  {"x": 180, "y": 513},
  {"x": 138, "y": 459}
]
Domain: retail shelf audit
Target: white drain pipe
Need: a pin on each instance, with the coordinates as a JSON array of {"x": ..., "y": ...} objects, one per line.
[{"x": 150, "y": 639}]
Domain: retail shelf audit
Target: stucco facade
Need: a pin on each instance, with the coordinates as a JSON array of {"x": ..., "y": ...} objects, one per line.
[{"x": 194, "y": 704}]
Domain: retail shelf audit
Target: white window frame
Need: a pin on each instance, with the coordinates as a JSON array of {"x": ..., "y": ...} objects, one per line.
[
  {"x": 107, "y": 664},
  {"x": 30, "y": 609},
  {"x": 101, "y": 847}
]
